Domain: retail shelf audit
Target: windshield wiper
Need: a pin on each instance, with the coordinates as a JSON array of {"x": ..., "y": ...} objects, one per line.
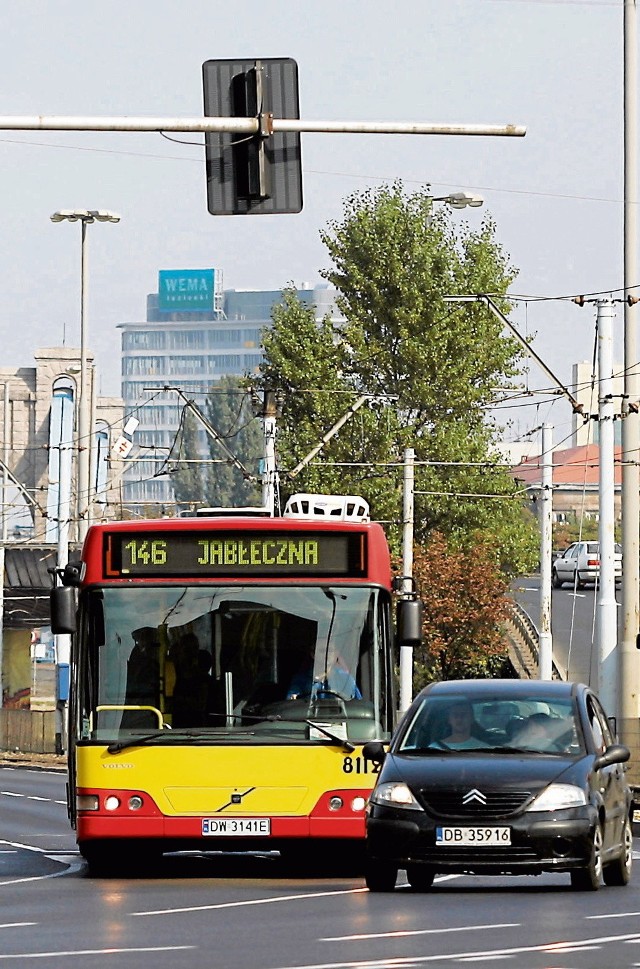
[
  {"x": 276, "y": 718},
  {"x": 340, "y": 741},
  {"x": 133, "y": 742},
  {"x": 172, "y": 735}
]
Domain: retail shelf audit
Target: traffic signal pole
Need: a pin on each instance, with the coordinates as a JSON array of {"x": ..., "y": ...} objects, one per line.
[{"x": 251, "y": 126}]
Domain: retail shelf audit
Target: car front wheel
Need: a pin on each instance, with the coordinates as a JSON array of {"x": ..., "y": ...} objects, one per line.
[
  {"x": 556, "y": 580},
  {"x": 618, "y": 871},
  {"x": 380, "y": 876},
  {"x": 587, "y": 879},
  {"x": 420, "y": 877}
]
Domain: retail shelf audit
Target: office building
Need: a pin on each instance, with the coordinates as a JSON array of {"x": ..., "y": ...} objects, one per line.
[{"x": 195, "y": 333}]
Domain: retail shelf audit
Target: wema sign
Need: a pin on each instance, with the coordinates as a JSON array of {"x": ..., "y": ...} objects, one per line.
[{"x": 185, "y": 290}]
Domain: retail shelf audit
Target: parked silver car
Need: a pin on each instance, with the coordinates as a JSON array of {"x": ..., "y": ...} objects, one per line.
[{"x": 580, "y": 564}]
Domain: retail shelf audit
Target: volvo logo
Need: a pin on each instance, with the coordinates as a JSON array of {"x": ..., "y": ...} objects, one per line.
[{"x": 474, "y": 795}]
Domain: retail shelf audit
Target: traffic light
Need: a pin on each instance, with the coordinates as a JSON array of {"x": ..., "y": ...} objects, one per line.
[{"x": 252, "y": 174}]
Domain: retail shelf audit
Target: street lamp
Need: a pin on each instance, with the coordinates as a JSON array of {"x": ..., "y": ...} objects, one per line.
[
  {"x": 84, "y": 488},
  {"x": 460, "y": 200}
]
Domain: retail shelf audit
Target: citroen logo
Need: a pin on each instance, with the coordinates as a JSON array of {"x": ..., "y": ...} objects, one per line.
[{"x": 474, "y": 795}]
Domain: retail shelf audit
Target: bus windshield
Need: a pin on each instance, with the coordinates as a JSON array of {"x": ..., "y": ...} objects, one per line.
[{"x": 234, "y": 663}]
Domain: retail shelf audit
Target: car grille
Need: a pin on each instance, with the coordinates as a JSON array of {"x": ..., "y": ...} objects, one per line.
[
  {"x": 477, "y": 859},
  {"x": 451, "y": 804}
]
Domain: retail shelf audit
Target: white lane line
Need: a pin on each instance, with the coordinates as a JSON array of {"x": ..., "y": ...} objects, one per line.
[
  {"x": 31, "y": 797},
  {"x": 253, "y": 901},
  {"x": 552, "y": 948},
  {"x": 97, "y": 952},
  {"x": 613, "y": 915},
  {"x": 406, "y": 932},
  {"x": 16, "y": 925},
  {"x": 16, "y": 844}
]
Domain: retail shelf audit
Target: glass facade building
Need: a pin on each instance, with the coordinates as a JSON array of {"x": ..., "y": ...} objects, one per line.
[{"x": 191, "y": 351}]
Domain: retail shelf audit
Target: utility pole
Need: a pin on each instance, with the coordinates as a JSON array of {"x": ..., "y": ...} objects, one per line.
[
  {"x": 545, "y": 650},
  {"x": 629, "y": 657},
  {"x": 270, "y": 473},
  {"x": 406, "y": 652},
  {"x": 607, "y": 619}
]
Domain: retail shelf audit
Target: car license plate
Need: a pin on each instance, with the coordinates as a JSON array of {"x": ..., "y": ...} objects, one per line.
[
  {"x": 473, "y": 836},
  {"x": 235, "y": 827}
]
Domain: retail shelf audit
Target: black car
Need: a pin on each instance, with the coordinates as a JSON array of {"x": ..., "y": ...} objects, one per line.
[{"x": 500, "y": 777}]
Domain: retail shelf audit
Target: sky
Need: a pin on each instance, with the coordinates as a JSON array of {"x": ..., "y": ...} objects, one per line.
[{"x": 555, "y": 66}]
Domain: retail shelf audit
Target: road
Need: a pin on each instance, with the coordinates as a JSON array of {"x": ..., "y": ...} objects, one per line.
[
  {"x": 573, "y": 624},
  {"x": 248, "y": 913}
]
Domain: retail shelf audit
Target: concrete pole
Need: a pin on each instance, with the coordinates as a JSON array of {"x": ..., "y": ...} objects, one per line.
[
  {"x": 63, "y": 640},
  {"x": 629, "y": 655},
  {"x": 406, "y": 652},
  {"x": 269, "y": 414},
  {"x": 93, "y": 450},
  {"x": 5, "y": 528},
  {"x": 607, "y": 619},
  {"x": 84, "y": 402},
  {"x": 545, "y": 655}
]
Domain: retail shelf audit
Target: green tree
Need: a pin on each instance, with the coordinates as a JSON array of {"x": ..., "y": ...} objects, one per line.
[
  {"x": 432, "y": 365},
  {"x": 186, "y": 472},
  {"x": 228, "y": 408}
]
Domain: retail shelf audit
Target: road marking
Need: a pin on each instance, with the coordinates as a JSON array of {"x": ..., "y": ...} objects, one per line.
[
  {"x": 16, "y": 925},
  {"x": 96, "y": 952},
  {"x": 253, "y": 901},
  {"x": 407, "y": 932},
  {"x": 613, "y": 915},
  {"x": 43, "y": 851},
  {"x": 17, "y": 844},
  {"x": 31, "y": 797},
  {"x": 583, "y": 945}
]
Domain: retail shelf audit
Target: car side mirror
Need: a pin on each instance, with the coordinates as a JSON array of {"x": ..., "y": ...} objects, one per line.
[
  {"x": 374, "y": 750},
  {"x": 614, "y": 754}
]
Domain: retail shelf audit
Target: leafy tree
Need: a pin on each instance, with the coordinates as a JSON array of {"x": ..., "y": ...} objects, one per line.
[
  {"x": 464, "y": 604},
  {"x": 219, "y": 482},
  {"x": 228, "y": 408},
  {"x": 186, "y": 475},
  {"x": 431, "y": 364}
]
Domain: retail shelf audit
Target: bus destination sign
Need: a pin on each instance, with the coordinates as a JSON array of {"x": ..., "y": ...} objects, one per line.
[{"x": 205, "y": 553}]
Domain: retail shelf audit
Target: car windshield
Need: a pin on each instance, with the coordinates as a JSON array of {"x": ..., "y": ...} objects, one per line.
[{"x": 526, "y": 724}]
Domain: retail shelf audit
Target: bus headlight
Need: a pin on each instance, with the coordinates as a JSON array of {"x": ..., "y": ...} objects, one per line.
[
  {"x": 135, "y": 802},
  {"x": 335, "y": 803},
  {"x": 111, "y": 803},
  {"x": 358, "y": 804}
]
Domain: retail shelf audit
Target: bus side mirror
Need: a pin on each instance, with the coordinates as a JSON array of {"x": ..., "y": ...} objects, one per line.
[
  {"x": 409, "y": 622},
  {"x": 62, "y": 601}
]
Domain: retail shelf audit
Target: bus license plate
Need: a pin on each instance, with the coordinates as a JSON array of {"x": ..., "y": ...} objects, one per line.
[
  {"x": 473, "y": 836},
  {"x": 235, "y": 827}
]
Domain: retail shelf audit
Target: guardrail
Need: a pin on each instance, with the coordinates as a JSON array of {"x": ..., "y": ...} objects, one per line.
[{"x": 524, "y": 643}]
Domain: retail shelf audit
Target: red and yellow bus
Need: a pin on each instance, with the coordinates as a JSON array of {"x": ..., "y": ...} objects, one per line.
[{"x": 225, "y": 672}]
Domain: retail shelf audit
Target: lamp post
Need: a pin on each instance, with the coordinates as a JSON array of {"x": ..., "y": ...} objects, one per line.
[
  {"x": 84, "y": 485},
  {"x": 460, "y": 200}
]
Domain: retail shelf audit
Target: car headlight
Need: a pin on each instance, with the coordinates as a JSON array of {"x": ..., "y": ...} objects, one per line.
[
  {"x": 558, "y": 797},
  {"x": 394, "y": 794}
]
